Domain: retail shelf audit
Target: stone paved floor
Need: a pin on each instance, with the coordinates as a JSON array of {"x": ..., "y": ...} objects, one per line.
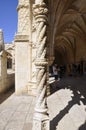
[
  {"x": 67, "y": 104},
  {"x": 16, "y": 113},
  {"x": 67, "y": 107}
]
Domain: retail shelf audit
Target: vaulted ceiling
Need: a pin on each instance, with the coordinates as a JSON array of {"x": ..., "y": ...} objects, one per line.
[{"x": 68, "y": 26}]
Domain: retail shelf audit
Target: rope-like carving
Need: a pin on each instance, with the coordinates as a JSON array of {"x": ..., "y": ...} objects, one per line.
[{"x": 40, "y": 13}]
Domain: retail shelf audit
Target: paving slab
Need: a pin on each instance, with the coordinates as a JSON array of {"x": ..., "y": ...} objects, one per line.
[{"x": 16, "y": 112}]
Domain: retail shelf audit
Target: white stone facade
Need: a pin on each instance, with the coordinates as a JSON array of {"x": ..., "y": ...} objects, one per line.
[
  {"x": 6, "y": 80},
  {"x": 25, "y": 50}
]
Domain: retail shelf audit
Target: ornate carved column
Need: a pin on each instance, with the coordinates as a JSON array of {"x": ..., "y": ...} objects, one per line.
[{"x": 41, "y": 118}]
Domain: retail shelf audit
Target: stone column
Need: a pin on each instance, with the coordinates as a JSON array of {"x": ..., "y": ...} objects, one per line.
[
  {"x": 3, "y": 71},
  {"x": 41, "y": 118},
  {"x": 1, "y": 41},
  {"x": 22, "y": 48},
  {"x": 3, "y": 64},
  {"x": 30, "y": 49}
]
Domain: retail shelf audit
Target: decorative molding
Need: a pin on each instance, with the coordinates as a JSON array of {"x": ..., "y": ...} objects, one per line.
[
  {"x": 23, "y": 38},
  {"x": 40, "y": 12}
]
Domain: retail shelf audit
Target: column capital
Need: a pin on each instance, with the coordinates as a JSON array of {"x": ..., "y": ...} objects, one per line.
[{"x": 40, "y": 12}]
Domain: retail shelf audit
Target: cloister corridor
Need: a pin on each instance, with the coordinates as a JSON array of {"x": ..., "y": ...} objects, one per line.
[{"x": 67, "y": 107}]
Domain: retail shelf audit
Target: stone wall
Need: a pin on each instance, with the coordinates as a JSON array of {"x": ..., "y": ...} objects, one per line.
[
  {"x": 21, "y": 67},
  {"x": 23, "y": 16},
  {"x": 7, "y": 82},
  {"x": 23, "y": 49}
]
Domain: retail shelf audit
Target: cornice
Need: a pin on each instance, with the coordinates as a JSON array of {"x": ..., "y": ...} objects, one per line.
[{"x": 21, "y": 38}]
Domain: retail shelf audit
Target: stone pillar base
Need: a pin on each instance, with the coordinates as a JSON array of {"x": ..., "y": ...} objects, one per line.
[
  {"x": 22, "y": 91},
  {"x": 32, "y": 90},
  {"x": 41, "y": 122}
]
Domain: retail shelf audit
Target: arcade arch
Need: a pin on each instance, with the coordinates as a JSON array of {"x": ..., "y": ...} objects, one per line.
[{"x": 60, "y": 29}]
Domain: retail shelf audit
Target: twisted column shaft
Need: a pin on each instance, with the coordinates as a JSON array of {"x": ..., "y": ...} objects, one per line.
[{"x": 41, "y": 18}]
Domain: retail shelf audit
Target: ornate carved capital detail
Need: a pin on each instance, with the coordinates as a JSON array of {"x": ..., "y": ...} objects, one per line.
[
  {"x": 40, "y": 12},
  {"x": 22, "y": 6}
]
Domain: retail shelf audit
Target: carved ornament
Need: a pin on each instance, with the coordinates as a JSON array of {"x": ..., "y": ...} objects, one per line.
[
  {"x": 22, "y": 6},
  {"x": 23, "y": 38},
  {"x": 40, "y": 12}
]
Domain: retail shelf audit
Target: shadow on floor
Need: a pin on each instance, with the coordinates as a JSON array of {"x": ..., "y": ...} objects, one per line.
[
  {"x": 78, "y": 88},
  {"x": 83, "y": 127},
  {"x": 6, "y": 94},
  {"x": 54, "y": 87}
]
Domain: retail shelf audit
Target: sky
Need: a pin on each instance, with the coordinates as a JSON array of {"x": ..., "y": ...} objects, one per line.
[{"x": 8, "y": 19}]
